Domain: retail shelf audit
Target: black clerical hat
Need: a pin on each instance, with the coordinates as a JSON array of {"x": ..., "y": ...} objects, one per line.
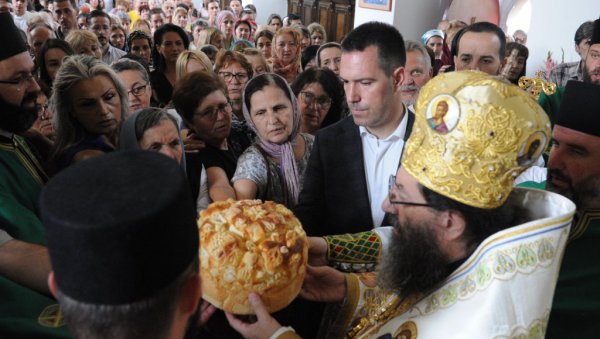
[
  {"x": 119, "y": 227},
  {"x": 580, "y": 108},
  {"x": 10, "y": 38}
]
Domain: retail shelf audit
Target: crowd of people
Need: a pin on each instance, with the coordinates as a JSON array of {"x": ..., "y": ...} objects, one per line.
[{"x": 409, "y": 164}]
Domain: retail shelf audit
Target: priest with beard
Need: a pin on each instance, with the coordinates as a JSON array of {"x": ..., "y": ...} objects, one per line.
[
  {"x": 26, "y": 310},
  {"x": 468, "y": 256}
]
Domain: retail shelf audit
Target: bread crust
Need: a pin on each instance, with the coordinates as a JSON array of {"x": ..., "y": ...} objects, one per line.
[{"x": 250, "y": 246}]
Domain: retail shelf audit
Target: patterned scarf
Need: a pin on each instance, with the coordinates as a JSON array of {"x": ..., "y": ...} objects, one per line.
[{"x": 283, "y": 152}]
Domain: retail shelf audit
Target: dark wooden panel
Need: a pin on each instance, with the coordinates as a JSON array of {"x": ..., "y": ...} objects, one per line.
[
  {"x": 343, "y": 18},
  {"x": 337, "y": 16},
  {"x": 309, "y": 12},
  {"x": 295, "y": 6}
]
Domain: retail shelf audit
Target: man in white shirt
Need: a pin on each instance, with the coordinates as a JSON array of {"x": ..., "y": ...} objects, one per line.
[{"x": 345, "y": 182}]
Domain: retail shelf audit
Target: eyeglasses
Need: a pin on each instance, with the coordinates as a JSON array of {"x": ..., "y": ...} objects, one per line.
[
  {"x": 391, "y": 196},
  {"x": 20, "y": 81},
  {"x": 308, "y": 97},
  {"x": 212, "y": 112},
  {"x": 228, "y": 76},
  {"x": 138, "y": 90}
]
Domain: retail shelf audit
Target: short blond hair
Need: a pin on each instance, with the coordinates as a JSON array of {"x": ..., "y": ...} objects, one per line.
[
  {"x": 185, "y": 57},
  {"x": 79, "y": 38}
]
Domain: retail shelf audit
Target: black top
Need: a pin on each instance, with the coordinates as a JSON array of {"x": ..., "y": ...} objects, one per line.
[{"x": 162, "y": 87}]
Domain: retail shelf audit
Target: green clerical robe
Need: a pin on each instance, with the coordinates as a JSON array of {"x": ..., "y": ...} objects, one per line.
[
  {"x": 576, "y": 306},
  {"x": 24, "y": 313}
]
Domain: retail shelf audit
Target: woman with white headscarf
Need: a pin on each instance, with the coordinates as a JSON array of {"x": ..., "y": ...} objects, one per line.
[{"x": 273, "y": 167}]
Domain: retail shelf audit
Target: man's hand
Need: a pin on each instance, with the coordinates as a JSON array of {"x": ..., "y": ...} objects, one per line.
[
  {"x": 263, "y": 328},
  {"x": 317, "y": 251},
  {"x": 324, "y": 284}
]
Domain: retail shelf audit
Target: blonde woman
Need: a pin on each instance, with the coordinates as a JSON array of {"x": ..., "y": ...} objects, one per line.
[
  {"x": 84, "y": 42},
  {"x": 191, "y": 61},
  {"x": 317, "y": 34},
  {"x": 285, "y": 58}
]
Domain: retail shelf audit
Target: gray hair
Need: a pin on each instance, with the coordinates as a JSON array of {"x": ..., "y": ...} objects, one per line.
[
  {"x": 74, "y": 69},
  {"x": 149, "y": 318},
  {"x": 412, "y": 45},
  {"x": 127, "y": 64}
]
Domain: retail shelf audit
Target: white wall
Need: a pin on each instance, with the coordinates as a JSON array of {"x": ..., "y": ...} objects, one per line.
[
  {"x": 264, "y": 8},
  {"x": 553, "y": 25},
  {"x": 412, "y": 18}
]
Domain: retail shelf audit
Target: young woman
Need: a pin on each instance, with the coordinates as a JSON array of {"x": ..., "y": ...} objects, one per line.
[
  {"x": 52, "y": 54},
  {"x": 273, "y": 167},
  {"x": 170, "y": 41},
  {"x": 140, "y": 44},
  {"x": 226, "y": 24}
]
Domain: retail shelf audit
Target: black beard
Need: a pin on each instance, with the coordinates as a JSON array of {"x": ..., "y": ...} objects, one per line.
[
  {"x": 415, "y": 263},
  {"x": 585, "y": 194},
  {"x": 18, "y": 119},
  {"x": 587, "y": 78}
]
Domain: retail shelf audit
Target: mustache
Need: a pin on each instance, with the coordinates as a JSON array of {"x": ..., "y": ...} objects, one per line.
[
  {"x": 409, "y": 88},
  {"x": 557, "y": 174}
]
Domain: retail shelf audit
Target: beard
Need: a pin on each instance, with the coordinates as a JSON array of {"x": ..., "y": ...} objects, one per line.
[
  {"x": 415, "y": 263},
  {"x": 587, "y": 75},
  {"x": 18, "y": 119},
  {"x": 412, "y": 100},
  {"x": 585, "y": 194}
]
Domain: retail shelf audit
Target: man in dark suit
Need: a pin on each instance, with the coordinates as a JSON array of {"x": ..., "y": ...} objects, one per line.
[{"x": 351, "y": 161}]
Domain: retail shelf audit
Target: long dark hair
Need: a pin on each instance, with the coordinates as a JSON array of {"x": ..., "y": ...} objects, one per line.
[
  {"x": 157, "y": 59},
  {"x": 331, "y": 84},
  {"x": 48, "y": 45}
]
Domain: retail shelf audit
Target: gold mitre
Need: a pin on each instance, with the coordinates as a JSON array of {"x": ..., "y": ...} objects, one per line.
[{"x": 473, "y": 135}]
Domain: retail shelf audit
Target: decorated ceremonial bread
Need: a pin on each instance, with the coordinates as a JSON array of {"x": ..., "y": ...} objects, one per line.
[{"x": 250, "y": 246}]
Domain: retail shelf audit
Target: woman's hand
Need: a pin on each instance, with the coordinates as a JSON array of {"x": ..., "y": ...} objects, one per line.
[
  {"x": 191, "y": 143},
  {"x": 264, "y": 327}
]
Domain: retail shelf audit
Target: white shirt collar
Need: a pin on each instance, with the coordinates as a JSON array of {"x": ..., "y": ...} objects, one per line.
[{"x": 399, "y": 132}]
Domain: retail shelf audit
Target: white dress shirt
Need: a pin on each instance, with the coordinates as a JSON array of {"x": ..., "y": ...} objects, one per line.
[{"x": 381, "y": 157}]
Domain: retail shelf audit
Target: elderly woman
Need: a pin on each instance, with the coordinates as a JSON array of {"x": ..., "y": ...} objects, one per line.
[
  {"x": 84, "y": 42},
  {"x": 285, "y": 59},
  {"x": 155, "y": 130},
  {"x": 89, "y": 102},
  {"x": 320, "y": 97},
  {"x": 52, "y": 54},
  {"x": 136, "y": 81},
  {"x": 170, "y": 41},
  {"x": 273, "y": 168},
  {"x": 226, "y": 23}
]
